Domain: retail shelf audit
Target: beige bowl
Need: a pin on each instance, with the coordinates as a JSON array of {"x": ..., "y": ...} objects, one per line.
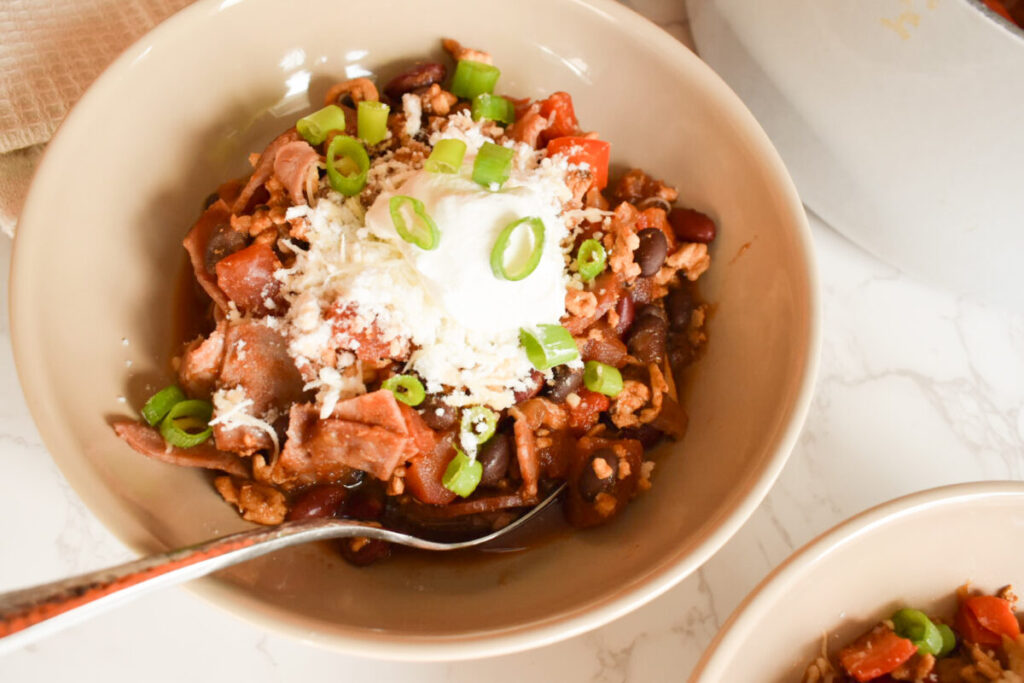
[
  {"x": 98, "y": 252},
  {"x": 911, "y": 552}
]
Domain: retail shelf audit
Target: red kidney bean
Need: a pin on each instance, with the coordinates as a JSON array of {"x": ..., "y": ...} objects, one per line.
[
  {"x": 494, "y": 458},
  {"x": 647, "y": 435},
  {"x": 625, "y": 309},
  {"x": 566, "y": 381},
  {"x": 642, "y": 290},
  {"x": 419, "y": 76},
  {"x": 538, "y": 383},
  {"x": 692, "y": 226},
  {"x": 363, "y": 552},
  {"x": 320, "y": 501},
  {"x": 651, "y": 253},
  {"x": 366, "y": 503},
  {"x": 590, "y": 484}
]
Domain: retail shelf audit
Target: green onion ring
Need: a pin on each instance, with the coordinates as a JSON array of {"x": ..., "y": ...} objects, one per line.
[
  {"x": 591, "y": 259},
  {"x": 160, "y": 403},
  {"x": 548, "y": 345},
  {"x": 348, "y": 148},
  {"x": 406, "y": 388},
  {"x": 462, "y": 475},
  {"x": 915, "y": 626},
  {"x": 372, "y": 121},
  {"x": 425, "y": 234},
  {"x": 494, "y": 108},
  {"x": 471, "y": 417},
  {"x": 472, "y": 78},
  {"x": 493, "y": 165},
  {"x": 602, "y": 378},
  {"x": 187, "y": 423},
  {"x": 315, "y": 127},
  {"x": 498, "y": 265},
  {"x": 446, "y": 157}
]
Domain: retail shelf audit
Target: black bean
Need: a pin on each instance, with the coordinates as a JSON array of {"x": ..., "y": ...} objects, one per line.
[
  {"x": 679, "y": 307},
  {"x": 649, "y": 336},
  {"x": 650, "y": 255},
  {"x": 438, "y": 415},
  {"x": 494, "y": 457},
  {"x": 566, "y": 381},
  {"x": 591, "y": 484}
]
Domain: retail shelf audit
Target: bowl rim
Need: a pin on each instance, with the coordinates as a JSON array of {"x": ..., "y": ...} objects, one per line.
[
  {"x": 780, "y": 581},
  {"x": 1012, "y": 28},
  {"x": 363, "y": 642}
]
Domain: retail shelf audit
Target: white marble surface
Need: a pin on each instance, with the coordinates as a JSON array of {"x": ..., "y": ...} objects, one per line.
[{"x": 917, "y": 389}]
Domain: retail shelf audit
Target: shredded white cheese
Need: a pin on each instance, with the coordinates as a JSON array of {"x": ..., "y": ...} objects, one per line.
[{"x": 230, "y": 408}]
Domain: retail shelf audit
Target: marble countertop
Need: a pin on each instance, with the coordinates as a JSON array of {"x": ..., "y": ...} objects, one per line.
[{"x": 917, "y": 388}]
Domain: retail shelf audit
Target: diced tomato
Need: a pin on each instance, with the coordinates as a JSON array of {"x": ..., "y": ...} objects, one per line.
[
  {"x": 247, "y": 277},
  {"x": 985, "y": 619},
  {"x": 584, "y": 415},
  {"x": 876, "y": 653},
  {"x": 366, "y": 342},
  {"x": 423, "y": 478},
  {"x": 594, "y": 153},
  {"x": 564, "y": 123},
  {"x": 520, "y": 105}
]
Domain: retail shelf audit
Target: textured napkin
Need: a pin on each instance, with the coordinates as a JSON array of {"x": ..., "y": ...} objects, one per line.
[{"x": 50, "y": 51}]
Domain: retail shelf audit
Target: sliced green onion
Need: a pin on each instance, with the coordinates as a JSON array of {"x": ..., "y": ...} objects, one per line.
[
  {"x": 591, "y": 259},
  {"x": 187, "y": 423},
  {"x": 915, "y": 626},
  {"x": 948, "y": 640},
  {"x": 160, "y": 403},
  {"x": 349, "y": 152},
  {"x": 472, "y": 78},
  {"x": 406, "y": 388},
  {"x": 493, "y": 107},
  {"x": 462, "y": 474},
  {"x": 493, "y": 165},
  {"x": 424, "y": 234},
  {"x": 548, "y": 345},
  {"x": 480, "y": 422},
  {"x": 602, "y": 378},
  {"x": 315, "y": 127},
  {"x": 446, "y": 157},
  {"x": 372, "y": 121},
  {"x": 517, "y": 271}
]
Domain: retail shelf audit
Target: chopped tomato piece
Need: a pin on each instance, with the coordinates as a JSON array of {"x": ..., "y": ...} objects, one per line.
[
  {"x": 876, "y": 653},
  {"x": 247, "y": 277},
  {"x": 595, "y": 153},
  {"x": 366, "y": 341},
  {"x": 585, "y": 414},
  {"x": 985, "y": 619},
  {"x": 423, "y": 479},
  {"x": 520, "y": 104},
  {"x": 558, "y": 109}
]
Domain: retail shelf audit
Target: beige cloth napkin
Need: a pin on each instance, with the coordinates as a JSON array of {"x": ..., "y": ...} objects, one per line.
[{"x": 50, "y": 51}]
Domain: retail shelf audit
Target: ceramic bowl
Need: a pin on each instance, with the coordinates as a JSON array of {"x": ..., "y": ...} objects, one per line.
[
  {"x": 98, "y": 252},
  {"x": 899, "y": 120},
  {"x": 911, "y": 552}
]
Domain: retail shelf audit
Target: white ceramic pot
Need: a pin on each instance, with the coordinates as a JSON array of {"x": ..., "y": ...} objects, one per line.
[{"x": 900, "y": 121}]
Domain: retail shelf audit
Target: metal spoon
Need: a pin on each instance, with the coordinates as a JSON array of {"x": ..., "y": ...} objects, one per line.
[{"x": 31, "y": 613}]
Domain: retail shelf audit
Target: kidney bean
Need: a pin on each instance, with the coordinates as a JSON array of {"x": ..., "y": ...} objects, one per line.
[
  {"x": 494, "y": 457},
  {"x": 419, "y": 76},
  {"x": 438, "y": 415},
  {"x": 642, "y": 290},
  {"x": 320, "y": 501},
  {"x": 567, "y": 380},
  {"x": 692, "y": 226},
  {"x": 590, "y": 483},
  {"x": 651, "y": 253},
  {"x": 648, "y": 338},
  {"x": 679, "y": 308},
  {"x": 362, "y": 552},
  {"x": 538, "y": 383},
  {"x": 647, "y": 435},
  {"x": 626, "y": 311},
  {"x": 365, "y": 502}
]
